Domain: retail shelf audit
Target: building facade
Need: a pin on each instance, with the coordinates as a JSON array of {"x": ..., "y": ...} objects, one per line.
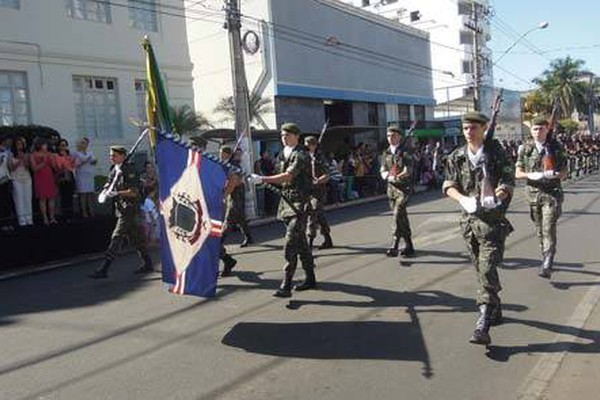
[
  {"x": 317, "y": 61},
  {"x": 77, "y": 65}
]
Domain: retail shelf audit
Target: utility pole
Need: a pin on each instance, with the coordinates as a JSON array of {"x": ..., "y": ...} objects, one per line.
[
  {"x": 474, "y": 27},
  {"x": 241, "y": 97}
]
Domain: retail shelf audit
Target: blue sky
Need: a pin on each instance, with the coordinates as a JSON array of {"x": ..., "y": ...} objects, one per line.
[{"x": 574, "y": 29}]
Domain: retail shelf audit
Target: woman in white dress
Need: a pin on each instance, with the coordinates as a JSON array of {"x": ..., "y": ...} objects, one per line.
[
  {"x": 85, "y": 167},
  {"x": 22, "y": 182}
]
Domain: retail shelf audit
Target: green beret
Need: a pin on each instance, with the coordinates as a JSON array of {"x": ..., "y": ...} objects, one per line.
[
  {"x": 539, "y": 121},
  {"x": 118, "y": 149},
  {"x": 475, "y": 116},
  {"x": 290, "y": 127},
  {"x": 226, "y": 150},
  {"x": 395, "y": 128},
  {"x": 310, "y": 140}
]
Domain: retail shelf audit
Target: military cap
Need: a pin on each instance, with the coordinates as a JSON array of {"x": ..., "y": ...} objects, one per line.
[
  {"x": 395, "y": 128},
  {"x": 226, "y": 150},
  {"x": 118, "y": 149},
  {"x": 311, "y": 140},
  {"x": 290, "y": 127},
  {"x": 475, "y": 116},
  {"x": 539, "y": 121}
]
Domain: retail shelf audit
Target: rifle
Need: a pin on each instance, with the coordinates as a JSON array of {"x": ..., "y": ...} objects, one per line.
[
  {"x": 395, "y": 170},
  {"x": 491, "y": 129},
  {"x": 487, "y": 190},
  {"x": 549, "y": 157},
  {"x": 323, "y": 130}
]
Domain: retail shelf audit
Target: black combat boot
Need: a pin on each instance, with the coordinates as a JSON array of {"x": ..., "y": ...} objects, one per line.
[
  {"x": 247, "y": 241},
  {"x": 146, "y": 266},
  {"x": 228, "y": 265},
  {"x": 547, "y": 264},
  {"x": 102, "y": 271},
  {"x": 310, "y": 282},
  {"x": 327, "y": 243},
  {"x": 496, "y": 317},
  {"x": 409, "y": 250},
  {"x": 285, "y": 290},
  {"x": 393, "y": 250},
  {"x": 481, "y": 335}
]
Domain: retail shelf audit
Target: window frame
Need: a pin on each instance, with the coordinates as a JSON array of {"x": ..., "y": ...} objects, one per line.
[
  {"x": 139, "y": 7},
  {"x": 89, "y": 101},
  {"x": 15, "y": 6},
  {"x": 71, "y": 11},
  {"x": 14, "y": 101}
]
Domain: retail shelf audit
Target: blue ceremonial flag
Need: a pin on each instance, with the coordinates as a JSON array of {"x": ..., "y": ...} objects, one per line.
[{"x": 191, "y": 197}]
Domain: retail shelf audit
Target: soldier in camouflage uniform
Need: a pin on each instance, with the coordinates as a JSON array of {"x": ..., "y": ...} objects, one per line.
[
  {"x": 544, "y": 190},
  {"x": 320, "y": 177},
  {"x": 294, "y": 176},
  {"x": 396, "y": 170},
  {"x": 234, "y": 180},
  {"x": 483, "y": 222},
  {"x": 126, "y": 200}
]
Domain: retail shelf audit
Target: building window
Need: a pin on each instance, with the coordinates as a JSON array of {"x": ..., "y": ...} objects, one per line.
[
  {"x": 419, "y": 113},
  {"x": 466, "y": 37},
  {"x": 90, "y": 10},
  {"x": 464, "y": 8},
  {"x": 141, "y": 88},
  {"x": 467, "y": 67},
  {"x": 403, "y": 112},
  {"x": 415, "y": 16},
  {"x": 366, "y": 3},
  {"x": 97, "y": 106},
  {"x": 10, "y": 3},
  {"x": 373, "y": 114},
  {"x": 142, "y": 15},
  {"x": 14, "y": 103}
]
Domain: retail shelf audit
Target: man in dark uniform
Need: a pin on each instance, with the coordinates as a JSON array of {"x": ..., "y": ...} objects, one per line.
[
  {"x": 396, "y": 170},
  {"x": 234, "y": 181},
  {"x": 294, "y": 176},
  {"x": 320, "y": 176},
  {"x": 480, "y": 177},
  {"x": 544, "y": 190},
  {"x": 123, "y": 186}
]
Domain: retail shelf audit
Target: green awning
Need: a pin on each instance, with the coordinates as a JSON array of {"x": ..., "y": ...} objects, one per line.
[{"x": 429, "y": 133}]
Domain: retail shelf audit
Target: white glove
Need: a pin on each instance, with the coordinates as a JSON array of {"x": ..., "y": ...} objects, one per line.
[
  {"x": 489, "y": 202},
  {"x": 469, "y": 204},
  {"x": 550, "y": 174},
  {"x": 391, "y": 178},
  {"x": 255, "y": 179},
  {"x": 385, "y": 175},
  {"x": 535, "y": 176},
  {"x": 103, "y": 196}
]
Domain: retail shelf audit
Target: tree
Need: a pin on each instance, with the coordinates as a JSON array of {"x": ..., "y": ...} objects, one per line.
[
  {"x": 186, "y": 121},
  {"x": 259, "y": 106}
]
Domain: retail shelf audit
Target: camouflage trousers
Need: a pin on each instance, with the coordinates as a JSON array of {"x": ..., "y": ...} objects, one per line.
[
  {"x": 316, "y": 218},
  {"x": 235, "y": 215},
  {"x": 296, "y": 246},
  {"x": 127, "y": 227},
  {"x": 400, "y": 225},
  {"x": 485, "y": 244},
  {"x": 544, "y": 214}
]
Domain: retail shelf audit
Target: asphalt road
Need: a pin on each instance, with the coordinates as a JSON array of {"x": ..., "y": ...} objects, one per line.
[{"x": 375, "y": 328}]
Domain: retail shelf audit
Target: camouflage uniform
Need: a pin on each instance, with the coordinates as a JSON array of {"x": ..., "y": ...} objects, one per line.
[
  {"x": 545, "y": 196},
  {"x": 234, "y": 210},
  {"x": 485, "y": 230},
  {"x": 398, "y": 192},
  {"x": 318, "y": 194},
  {"x": 297, "y": 191}
]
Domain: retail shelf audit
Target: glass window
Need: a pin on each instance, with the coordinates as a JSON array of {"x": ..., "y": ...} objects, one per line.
[
  {"x": 90, "y": 10},
  {"x": 140, "y": 95},
  {"x": 14, "y": 98},
  {"x": 10, "y": 3},
  {"x": 96, "y": 103},
  {"x": 419, "y": 113},
  {"x": 142, "y": 15},
  {"x": 466, "y": 37},
  {"x": 464, "y": 8},
  {"x": 467, "y": 67},
  {"x": 403, "y": 112}
]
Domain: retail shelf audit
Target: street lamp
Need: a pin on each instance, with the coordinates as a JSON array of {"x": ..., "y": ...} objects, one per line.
[{"x": 542, "y": 25}]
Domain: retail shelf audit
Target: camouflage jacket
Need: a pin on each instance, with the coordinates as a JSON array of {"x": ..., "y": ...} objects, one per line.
[
  {"x": 529, "y": 159},
  {"x": 318, "y": 167},
  {"x": 298, "y": 189},
  {"x": 394, "y": 163},
  {"x": 128, "y": 179},
  {"x": 467, "y": 179}
]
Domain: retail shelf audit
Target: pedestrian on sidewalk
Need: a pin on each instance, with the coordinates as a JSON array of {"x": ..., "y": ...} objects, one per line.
[{"x": 542, "y": 161}]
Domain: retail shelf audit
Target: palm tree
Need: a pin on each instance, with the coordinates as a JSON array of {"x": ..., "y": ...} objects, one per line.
[
  {"x": 259, "y": 106},
  {"x": 186, "y": 121}
]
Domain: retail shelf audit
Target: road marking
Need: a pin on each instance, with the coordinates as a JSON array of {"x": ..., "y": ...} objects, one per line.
[{"x": 540, "y": 377}]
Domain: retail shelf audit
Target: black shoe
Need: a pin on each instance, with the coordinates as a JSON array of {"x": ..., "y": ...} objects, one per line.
[
  {"x": 480, "y": 337},
  {"x": 306, "y": 285},
  {"x": 496, "y": 317},
  {"x": 545, "y": 273},
  {"x": 392, "y": 252},
  {"x": 327, "y": 243},
  {"x": 407, "y": 252},
  {"x": 99, "y": 274},
  {"x": 284, "y": 293},
  {"x": 481, "y": 334},
  {"x": 229, "y": 264},
  {"x": 247, "y": 241}
]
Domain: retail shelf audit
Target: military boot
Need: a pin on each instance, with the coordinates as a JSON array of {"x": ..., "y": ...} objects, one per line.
[
  {"x": 393, "y": 250},
  {"x": 409, "y": 250},
  {"x": 547, "y": 264},
  {"x": 228, "y": 264},
  {"x": 146, "y": 265},
  {"x": 285, "y": 290},
  {"x": 247, "y": 241},
  {"x": 102, "y": 271},
  {"x": 481, "y": 335},
  {"x": 327, "y": 243},
  {"x": 310, "y": 282},
  {"x": 496, "y": 317}
]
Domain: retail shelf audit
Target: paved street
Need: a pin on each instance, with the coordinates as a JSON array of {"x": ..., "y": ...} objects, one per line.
[{"x": 374, "y": 329}]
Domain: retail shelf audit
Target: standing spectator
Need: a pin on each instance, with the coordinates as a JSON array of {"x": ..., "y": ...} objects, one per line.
[
  {"x": 44, "y": 185},
  {"x": 6, "y": 206},
  {"x": 149, "y": 180},
  {"x": 21, "y": 185},
  {"x": 336, "y": 181},
  {"x": 84, "y": 177},
  {"x": 65, "y": 178}
]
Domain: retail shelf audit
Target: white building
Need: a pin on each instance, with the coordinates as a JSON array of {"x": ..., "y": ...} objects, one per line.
[
  {"x": 316, "y": 60},
  {"x": 77, "y": 65},
  {"x": 452, "y": 43}
]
